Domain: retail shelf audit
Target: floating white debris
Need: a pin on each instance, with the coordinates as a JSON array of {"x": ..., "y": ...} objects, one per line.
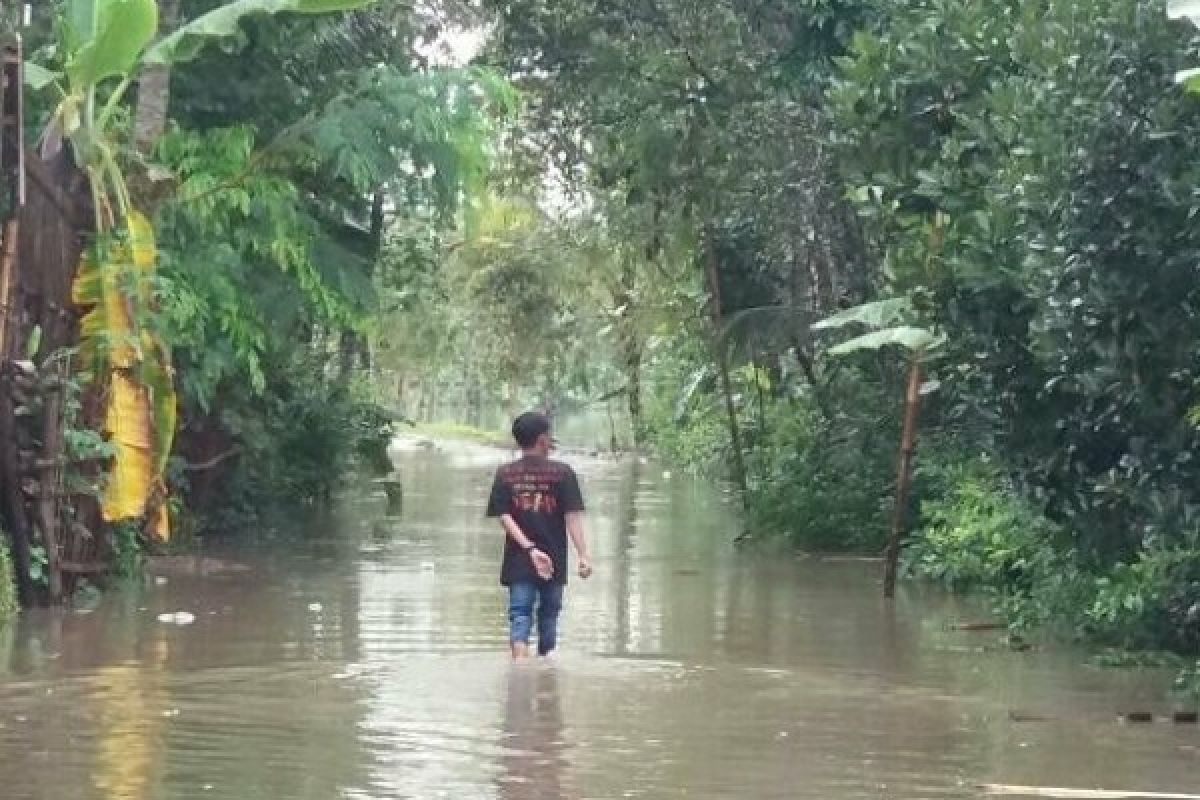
[
  {"x": 316, "y": 608},
  {"x": 177, "y": 618},
  {"x": 427, "y": 566},
  {"x": 667, "y": 474},
  {"x": 160, "y": 580}
]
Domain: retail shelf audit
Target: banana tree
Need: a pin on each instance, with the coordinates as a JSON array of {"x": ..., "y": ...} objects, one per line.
[
  {"x": 890, "y": 320},
  {"x": 104, "y": 45}
]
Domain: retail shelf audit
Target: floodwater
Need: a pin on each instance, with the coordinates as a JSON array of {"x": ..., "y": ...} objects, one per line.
[{"x": 363, "y": 657}]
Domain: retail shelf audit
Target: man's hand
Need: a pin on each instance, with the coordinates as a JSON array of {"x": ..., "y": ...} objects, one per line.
[
  {"x": 542, "y": 563},
  {"x": 585, "y": 568}
]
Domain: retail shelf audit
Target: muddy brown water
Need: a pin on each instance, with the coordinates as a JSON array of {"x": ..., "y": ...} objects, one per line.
[{"x": 362, "y": 657}]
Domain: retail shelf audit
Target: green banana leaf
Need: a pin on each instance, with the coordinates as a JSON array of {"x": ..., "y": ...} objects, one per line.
[
  {"x": 121, "y": 30},
  {"x": 220, "y": 23},
  {"x": 874, "y": 315},
  {"x": 915, "y": 340}
]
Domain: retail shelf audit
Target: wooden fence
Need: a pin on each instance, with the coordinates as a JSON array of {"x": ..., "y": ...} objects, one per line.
[{"x": 48, "y": 505}]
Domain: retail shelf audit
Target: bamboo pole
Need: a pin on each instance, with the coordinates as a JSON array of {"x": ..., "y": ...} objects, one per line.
[
  {"x": 8, "y": 264},
  {"x": 908, "y": 441},
  {"x": 12, "y": 162},
  {"x": 12, "y": 500}
]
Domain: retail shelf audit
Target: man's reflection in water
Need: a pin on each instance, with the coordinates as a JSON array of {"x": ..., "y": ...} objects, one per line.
[{"x": 533, "y": 740}]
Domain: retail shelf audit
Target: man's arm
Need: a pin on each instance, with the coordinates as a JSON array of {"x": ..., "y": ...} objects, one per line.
[
  {"x": 575, "y": 530},
  {"x": 541, "y": 561},
  {"x": 499, "y": 503}
]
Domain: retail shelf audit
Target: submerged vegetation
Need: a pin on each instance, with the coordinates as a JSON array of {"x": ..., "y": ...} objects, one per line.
[{"x": 745, "y": 236}]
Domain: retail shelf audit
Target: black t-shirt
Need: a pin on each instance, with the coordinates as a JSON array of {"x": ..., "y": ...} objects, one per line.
[{"x": 538, "y": 493}]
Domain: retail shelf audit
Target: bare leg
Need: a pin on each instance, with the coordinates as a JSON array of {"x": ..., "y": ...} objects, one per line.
[{"x": 520, "y": 650}]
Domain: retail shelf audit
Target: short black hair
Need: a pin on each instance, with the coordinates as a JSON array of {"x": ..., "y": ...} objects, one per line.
[{"x": 528, "y": 427}]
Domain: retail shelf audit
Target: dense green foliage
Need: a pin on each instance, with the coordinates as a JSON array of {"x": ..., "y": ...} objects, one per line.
[
  {"x": 1023, "y": 173},
  {"x": 1036, "y": 188},
  {"x": 272, "y": 342},
  {"x": 274, "y": 184}
]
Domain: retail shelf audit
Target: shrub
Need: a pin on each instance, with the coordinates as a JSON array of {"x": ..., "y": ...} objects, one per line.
[
  {"x": 824, "y": 484},
  {"x": 1151, "y": 602},
  {"x": 979, "y": 533}
]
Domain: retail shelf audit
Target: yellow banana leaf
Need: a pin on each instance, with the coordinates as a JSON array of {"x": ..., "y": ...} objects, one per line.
[
  {"x": 106, "y": 331},
  {"x": 128, "y": 423},
  {"x": 116, "y": 281},
  {"x": 114, "y": 278},
  {"x": 141, "y": 239}
]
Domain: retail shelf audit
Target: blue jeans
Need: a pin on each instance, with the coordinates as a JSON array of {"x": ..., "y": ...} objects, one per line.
[{"x": 521, "y": 597}]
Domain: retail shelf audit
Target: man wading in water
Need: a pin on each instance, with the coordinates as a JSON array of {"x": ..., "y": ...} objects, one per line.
[{"x": 539, "y": 505}]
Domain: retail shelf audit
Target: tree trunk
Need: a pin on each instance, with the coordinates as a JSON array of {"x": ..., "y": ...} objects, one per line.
[
  {"x": 762, "y": 400},
  {"x": 720, "y": 356},
  {"x": 154, "y": 89},
  {"x": 612, "y": 426},
  {"x": 908, "y": 443},
  {"x": 377, "y": 222},
  {"x": 810, "y": 375},
  {"x": 630, "y": 342},
  {"x": 631, "y": 360},
  {"x": 633, "y": 369}
]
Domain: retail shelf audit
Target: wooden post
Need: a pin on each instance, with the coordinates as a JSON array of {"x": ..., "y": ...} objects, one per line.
[
  {"x": 908, "y": 442},
  {"x": 49, "y": 486}
]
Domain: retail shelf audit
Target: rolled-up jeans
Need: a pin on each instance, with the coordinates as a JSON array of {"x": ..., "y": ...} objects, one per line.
[{"x": 521, "y": 599}]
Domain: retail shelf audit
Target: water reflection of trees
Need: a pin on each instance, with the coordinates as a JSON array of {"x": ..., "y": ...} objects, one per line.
[{"x": 626, "y": 532}]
